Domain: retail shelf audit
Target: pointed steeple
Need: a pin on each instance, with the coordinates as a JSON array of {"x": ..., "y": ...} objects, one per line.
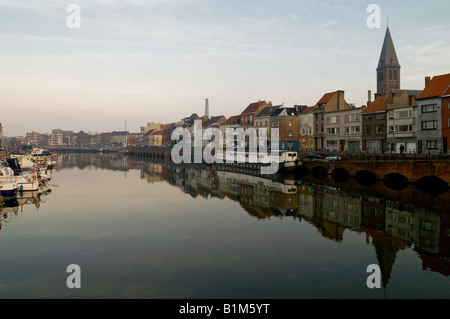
[
  {"x": 388, "y": 70},
  {"x": 388, "y": 56}
]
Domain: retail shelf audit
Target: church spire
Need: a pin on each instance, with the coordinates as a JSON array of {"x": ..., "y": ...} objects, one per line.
[
  {"x": 388, "y": 56},
  {"x": 388, "y": 70}
]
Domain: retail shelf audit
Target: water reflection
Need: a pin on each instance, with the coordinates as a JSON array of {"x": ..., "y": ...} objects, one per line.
[
  {"x": 11, "y": 209},
  {"x": 390, "y": 223},
  {"x": 393, "y": 218}
]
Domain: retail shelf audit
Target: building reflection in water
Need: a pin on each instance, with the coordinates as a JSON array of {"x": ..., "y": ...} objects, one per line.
[
  {"x": 392, "y": 219},
  {"x": 390, "y": 224}
]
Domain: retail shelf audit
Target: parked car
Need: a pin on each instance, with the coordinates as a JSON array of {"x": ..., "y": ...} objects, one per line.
[
  {"x": 316, "y": 155},
  {"x": 334, "y": 157}
]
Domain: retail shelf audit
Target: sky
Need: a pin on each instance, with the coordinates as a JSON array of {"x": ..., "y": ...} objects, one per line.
[{"x": 131, "y": 62}]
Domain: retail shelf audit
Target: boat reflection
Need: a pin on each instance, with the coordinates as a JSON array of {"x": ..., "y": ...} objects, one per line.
[{"x": 11, "y": 209}]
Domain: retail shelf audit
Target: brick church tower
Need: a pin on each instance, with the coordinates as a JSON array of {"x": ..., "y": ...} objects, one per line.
[{"x": 388, "y": 70}]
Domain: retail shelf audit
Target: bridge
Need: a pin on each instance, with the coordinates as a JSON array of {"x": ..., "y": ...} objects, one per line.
[
  {"x": 399, "y": 170},
  {"x": 366, "y": 168}
]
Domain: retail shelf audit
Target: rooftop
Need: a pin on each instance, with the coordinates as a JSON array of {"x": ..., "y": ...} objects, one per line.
[{"x": 439, "y": 85}]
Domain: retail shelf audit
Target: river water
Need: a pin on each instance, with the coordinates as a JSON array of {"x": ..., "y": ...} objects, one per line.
[{"x": 141, "y": 229}]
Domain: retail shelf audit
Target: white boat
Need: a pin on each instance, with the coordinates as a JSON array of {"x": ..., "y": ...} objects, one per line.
[
  {"x": 25, "y": 182},
  {"x": 8, "y": 190},
  {"x": 287, "y": 161}
]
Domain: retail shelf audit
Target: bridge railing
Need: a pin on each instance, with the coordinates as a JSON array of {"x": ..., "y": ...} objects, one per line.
[{"x": 385, "y": 156}]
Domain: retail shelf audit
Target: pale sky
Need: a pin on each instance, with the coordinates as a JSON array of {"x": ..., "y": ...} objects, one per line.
[{"x": 139, "y": 61}]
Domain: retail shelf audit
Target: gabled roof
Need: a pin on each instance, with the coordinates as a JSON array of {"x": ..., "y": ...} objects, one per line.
[
  {"x": 232, "y": 120},
  {"x": 285, "y": 111},
  {"x": 388, "y": 56},
  {"x": 268, "y": 111},
  {"x": 439, "y": 85},
  {"x": 253, "y": 107},
  {"x": 308, "y": 110},
  {"x": 379, "y": 104},
  {"x": 214, "y": 120},
  {"x": 326, "y": 98}
]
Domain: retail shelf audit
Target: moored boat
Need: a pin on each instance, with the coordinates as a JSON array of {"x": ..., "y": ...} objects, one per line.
[
  {"x": 8, "y": 190},
  {"x": 283, "y": 161},
  {"x": 25, "y": 182}
]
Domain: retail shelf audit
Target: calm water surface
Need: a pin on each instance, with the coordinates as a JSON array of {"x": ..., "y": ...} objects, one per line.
[{"x": 139, "y": 229}]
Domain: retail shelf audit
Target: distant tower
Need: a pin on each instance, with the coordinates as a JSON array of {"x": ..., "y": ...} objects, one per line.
[
  {"x": 388, "y": 70},
  {"x": 207, "y": 107}
]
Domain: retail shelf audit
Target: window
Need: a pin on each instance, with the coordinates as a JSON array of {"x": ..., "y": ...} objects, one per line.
[
  {"x": 395, "y": 74},
  {"x": 352, "y": 130},
  {"x": 303, "y": 131},
  {"x": 367, "y": 130},
  {"x": 429, "y": 125},
  {"x": 432, "y": 145},
  {"x": 290, "y": 133},
  {"x": 273, "y": 123},
  {"x": 368, "y": 118},
  {"x": 310, "y": 131},
  {"x": 403, "y": 128},
  {"x": 391, "y": 129},
  {"x": 290, "y": 122},
  {"x": 391, "y": 115},
  {"x": 278, "y": 123},
  {"x": 390, "y": 74},
  {"x": 266, "y": 122},
  {"x": 404, "y": 114},
  {"x": 427, "y": 225},
  {"x": 333, "y": 130},
  {"x": 379, "y": 117},
  {"x": 331, "y": 143},
  {"x": 333, "y": 120},
  {"x": 352, "y": 118},
  {"x": 429, "y": 108},
  {"x": 379, "y": 129}
]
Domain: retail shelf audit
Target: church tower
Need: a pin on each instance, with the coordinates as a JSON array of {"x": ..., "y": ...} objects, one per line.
[{"x": 388, "y": 70}]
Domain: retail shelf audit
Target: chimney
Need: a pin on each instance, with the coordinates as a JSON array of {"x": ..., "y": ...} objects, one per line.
[
  {"x": 411, "y": 100},
  {"x": 340, "y": 99},
  {"x": 369, "y": 96},
  {"x": 207, "y": 107},
  {"x": 427, "y": 81}
]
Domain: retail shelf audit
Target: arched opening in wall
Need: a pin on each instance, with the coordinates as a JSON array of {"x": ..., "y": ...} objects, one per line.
[
  {"x": 341, "y": 175},
  {"x": 432, "y": 185},
  {"x": 365, "y": 178},
  {"x": 395, "y": 181},
  {"x": 320, "y": 172}
]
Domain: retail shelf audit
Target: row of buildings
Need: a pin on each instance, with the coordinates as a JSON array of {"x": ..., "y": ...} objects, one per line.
[{"x": 393, "y": 120}]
